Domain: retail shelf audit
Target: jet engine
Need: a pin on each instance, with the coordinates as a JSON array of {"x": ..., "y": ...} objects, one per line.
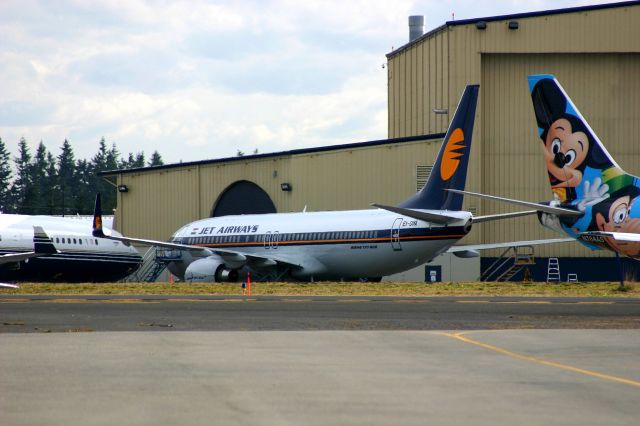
[{"x": 210, "y": 269}]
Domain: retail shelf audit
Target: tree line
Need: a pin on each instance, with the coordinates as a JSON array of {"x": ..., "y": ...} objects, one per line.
[{"x": 42, "y": 183}]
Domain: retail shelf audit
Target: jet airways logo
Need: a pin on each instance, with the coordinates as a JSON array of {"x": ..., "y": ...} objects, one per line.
[{"x": 452, "y": 154}]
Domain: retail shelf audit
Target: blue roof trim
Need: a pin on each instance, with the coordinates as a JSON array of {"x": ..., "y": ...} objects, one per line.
[
  {"x": 277, "y": 154},
  {"x": 516, "y": 16}
]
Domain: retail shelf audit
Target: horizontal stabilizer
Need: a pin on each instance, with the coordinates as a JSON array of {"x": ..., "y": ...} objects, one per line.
[
  {"x": 471, "y": 247},
  {"x": 598, "y": 236},
  {"x": 492, "y": 217},
  {"x": 559, "y": 211},
  {"x": 440, "y": 219}
]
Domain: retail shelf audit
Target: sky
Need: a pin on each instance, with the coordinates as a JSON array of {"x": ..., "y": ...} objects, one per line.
[{"x": 202, "y": 79}]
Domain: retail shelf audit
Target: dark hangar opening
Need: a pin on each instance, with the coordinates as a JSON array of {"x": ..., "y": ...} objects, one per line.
[{"x": 243, "y": 197}]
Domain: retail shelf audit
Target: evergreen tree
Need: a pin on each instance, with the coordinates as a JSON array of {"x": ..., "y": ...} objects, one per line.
[
  {"x": 5, "y": 180},
  {"x": 22, "y": 189},
  {"x": 66, "y": 173},
  {"x": 52, "y": 188},
  {"x": 156, "y": 159},
  {"x": 41, "y": 184},
  {"x": 83, "y": 189},
  {"x": 139, "y": 161}
]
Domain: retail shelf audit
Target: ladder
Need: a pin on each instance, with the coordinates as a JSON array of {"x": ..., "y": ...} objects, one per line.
[{"x": 553, "y": 269}]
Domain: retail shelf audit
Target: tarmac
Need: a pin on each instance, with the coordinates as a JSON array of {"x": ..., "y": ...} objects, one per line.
[{"x": 361, "y": 369}]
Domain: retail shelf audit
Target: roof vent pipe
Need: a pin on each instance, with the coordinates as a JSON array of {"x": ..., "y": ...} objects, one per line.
[{"x": 416, "y": 27}]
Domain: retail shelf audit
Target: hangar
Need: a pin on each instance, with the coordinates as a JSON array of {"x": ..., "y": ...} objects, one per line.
[{"x": 593, "y": 50}]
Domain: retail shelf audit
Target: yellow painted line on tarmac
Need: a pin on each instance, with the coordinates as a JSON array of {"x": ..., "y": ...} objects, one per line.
[
  {"x": 461, "y": 336},
  {"x": 523, "y": 302},
  {"x": 473, "y": 301},
  {"x": 15, "y": 300},
  {"x": 595, "y": 303}
]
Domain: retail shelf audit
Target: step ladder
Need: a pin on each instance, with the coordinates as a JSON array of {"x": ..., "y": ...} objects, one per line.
[{"x": 553, "y": 269}]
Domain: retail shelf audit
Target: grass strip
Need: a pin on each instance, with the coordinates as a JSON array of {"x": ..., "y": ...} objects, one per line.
[{"x": 589, "y": 289}]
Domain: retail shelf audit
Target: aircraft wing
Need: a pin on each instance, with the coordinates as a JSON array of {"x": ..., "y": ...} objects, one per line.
[
  {"x": 252, "y": 259},
  {"x": 598, "y": 236},
  {"x": 559, "y": 211},
  {"x": 5, "y": 285},
  {"x": 229, "y": 256},
  {"x": 42, "y": 245},
  {"x": 17, "y": 257}
]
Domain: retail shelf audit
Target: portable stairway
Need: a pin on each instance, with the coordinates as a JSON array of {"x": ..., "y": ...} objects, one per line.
[
  {"x": 154, "y": 262},
  {"x": 509, "y": 263}
]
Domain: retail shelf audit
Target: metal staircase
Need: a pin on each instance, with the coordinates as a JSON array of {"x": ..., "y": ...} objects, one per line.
[
  {"x": 154, "y": 262},
  {"x": 509, "y": 263}
]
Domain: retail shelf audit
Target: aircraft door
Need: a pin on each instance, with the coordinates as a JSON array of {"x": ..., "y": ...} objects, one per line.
[{"x": 395, "y": 234}]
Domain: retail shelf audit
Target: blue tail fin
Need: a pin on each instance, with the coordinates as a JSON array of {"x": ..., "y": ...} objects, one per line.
[
  {"x": 574, "y": 156},
  {"x": 450, "y": 168}
]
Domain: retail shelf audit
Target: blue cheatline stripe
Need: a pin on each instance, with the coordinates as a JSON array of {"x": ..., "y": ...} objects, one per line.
[{"x": 321, "y": 238}]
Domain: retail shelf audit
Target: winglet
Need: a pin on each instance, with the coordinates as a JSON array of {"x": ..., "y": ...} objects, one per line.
[
  {"x": 42, "y": 244},
  {"x": 97, "y": 219}
]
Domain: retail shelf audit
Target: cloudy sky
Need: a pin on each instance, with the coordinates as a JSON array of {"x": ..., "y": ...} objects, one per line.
[{"x": 202, "y": 79}]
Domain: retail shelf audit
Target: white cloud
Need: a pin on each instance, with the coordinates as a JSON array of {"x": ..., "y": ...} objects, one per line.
[{"x": 201, "y": 79}]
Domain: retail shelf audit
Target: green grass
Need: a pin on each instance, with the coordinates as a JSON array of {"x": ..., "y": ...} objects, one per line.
[{"x": 592, "y": 289}]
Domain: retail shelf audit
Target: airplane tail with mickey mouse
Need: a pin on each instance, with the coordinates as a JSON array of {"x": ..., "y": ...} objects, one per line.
[{"x": 595, "y": 201}]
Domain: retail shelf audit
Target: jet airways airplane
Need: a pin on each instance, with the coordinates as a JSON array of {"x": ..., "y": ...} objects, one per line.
[
  {"x": 595, "y": 201},
  {"x": 66, "y": 253},
  {"x": 349, "y": 245}
]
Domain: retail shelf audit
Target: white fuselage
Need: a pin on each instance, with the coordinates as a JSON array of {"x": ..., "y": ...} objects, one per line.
[
  {"x": 81, "y": 257},
  {"x": 328, "y": 245}
]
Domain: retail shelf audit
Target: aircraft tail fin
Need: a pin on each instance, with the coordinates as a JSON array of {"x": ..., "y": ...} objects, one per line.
[
  {"x": 97, "y": 218},
  {"x": 42, "y": 244},
  {"x": 579, "y": 166},
  {"x": 450, "y": 168}
]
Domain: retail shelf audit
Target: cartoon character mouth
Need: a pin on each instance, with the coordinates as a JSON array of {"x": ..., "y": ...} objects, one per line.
[{"x": 554, "y": 180}]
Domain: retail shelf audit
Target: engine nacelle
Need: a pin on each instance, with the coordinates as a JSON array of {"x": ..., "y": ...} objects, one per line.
[{"x": 210, "y": 269}]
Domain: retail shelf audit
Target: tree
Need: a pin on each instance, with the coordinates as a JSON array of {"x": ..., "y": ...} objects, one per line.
[
  {"x": 156, "y": 159},
  {"x": 83, "y": 193},
  {"x": 5, "y": 180},
  {"x": 66, "y": 181},
  {"x": 41, "y": 185},
  {"x": 22, "y": 189},
  {"x": 52, "y": 187}
]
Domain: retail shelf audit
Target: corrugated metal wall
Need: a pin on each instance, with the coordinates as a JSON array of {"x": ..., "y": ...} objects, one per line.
[{"x": 161, "y": 201}]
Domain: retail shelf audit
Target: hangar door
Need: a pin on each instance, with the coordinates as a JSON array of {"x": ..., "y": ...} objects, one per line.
[
  {"x": 243, "y": 197},
  {"x": 605, "y": 88}
]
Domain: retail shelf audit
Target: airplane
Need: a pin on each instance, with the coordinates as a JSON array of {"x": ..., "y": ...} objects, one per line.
[
  {"x": 339, "y": 245},
  {"x": 595, "y": 201},
  {"x": 65, "y": 253}
]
